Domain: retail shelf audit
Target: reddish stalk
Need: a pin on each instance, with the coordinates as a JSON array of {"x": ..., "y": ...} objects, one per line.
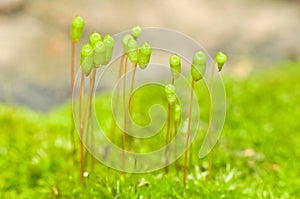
[
  {"x": 132, "y": 79},
  {"x": 90, "y": 105},
  {"x": 128, "y": 126},
  {"x": 175, "y": 151},
  {"x": 188, "y": 137},
  {"x": 81, "y": 118},
  {"x": 72, "y": 78},
  {"x": 125, "y": 114},
  {"x": 118, "y": 93},
  {"x": 169, "y": 130},
  {"x": 175, "y": 133},
  {"x": 131, "y": 91},
  {"x": 168, "y": 137},
  {"x": 211, "y": 154}
]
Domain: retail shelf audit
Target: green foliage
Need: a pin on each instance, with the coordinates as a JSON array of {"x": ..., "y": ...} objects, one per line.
[{"x": 257, "y": 156}]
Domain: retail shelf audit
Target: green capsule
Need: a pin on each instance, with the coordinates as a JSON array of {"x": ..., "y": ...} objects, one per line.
[
  {"x": 177, "y": 115},
  {"x": 100, "y": 54},
  {"x": 170, "y": 93},
  {"x": 94, "y": 39},
  {"x": 132, "y": 45},
  {"x": 125, "y": 40},
  {"x": 144, "y": 55},
  {"x": 87, "y": 59},
  {"x": 198, "y": 66},
  {"x": 136, "y": 31},
  {"x": 76, "y": 28},
  {"x": 171, "y": 99},
  {"x": 109, "y": 43},
  {"x": 132, "y": 51},
  {"x": 133, "y": 57},
  {"x": 175, "y": 65},
  {"x": 221, "y": 58},
  {"x": 170, "y": 89}
]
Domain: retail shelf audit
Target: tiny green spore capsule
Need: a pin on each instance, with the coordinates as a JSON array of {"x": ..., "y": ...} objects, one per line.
[
  {"x": 198, "y": 66},
  {"x": 94, "y": 39},
  {"x": 136, "y": 31},
  {"x": 221, "y": 58},
  {"x": 170, "y": 89},
  {"x": 132, "y": 50},
  {"x": 100, "y": 54},
  {"x": 170, "y": 93},
  {"x": 144, "y": 55},
  {"x": 175, "y": 65},
  {"x": 76, "y": 28},
  {"x": 87, "y": 60},
  {"x": 177, "y": 115},
  {"x": 109, "y": 43},
  {"x": 125, "y": 40}
]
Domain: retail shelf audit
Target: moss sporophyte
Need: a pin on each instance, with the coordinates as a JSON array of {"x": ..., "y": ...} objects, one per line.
[
  {"x": 98, "y": 52},
  {"x": 94, "y": 54},
  {"x": 220, "y": 60},
  {"x": 138, "y": 57},
  {"x": 75, "y": 34}
]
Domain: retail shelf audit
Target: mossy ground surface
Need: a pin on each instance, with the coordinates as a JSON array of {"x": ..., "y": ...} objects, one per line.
[{"x": 257, "y": 156}]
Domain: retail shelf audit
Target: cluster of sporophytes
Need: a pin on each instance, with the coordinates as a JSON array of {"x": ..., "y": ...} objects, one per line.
[
  {"x": 139, "y": 57},
  {"x": 98, "y": 52},
  {"x": 198, "y": 68}
]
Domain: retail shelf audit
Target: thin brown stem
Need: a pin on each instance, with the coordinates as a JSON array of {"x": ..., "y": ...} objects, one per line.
[
  {"x": 211, "y": 154},
  {"x": 169, "y": 131},
  {"x": 117, "y": 94},
  {"x": 188, "y": 137},
  {"x": 90, "y": 105},
  {"x": 72, "y": 79},
  {"x": 129, "y": 102},
  {"x": 175, "y": 150},
  {"x": 72, "y": 67},
  {"x": 81, "y": 118},
  {"x": 132, "y": 79},
  {"x": 171, "y": 124},
  {"x": 125, "y": 113}
]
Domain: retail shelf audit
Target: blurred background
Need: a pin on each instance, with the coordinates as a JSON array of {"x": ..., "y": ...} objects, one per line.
[{"x": 35, "y": 45}]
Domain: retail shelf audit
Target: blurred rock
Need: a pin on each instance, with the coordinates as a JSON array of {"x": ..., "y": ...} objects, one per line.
[
  {"x": 35, "y": 43},
  {"x": 11, "y": 6}
]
